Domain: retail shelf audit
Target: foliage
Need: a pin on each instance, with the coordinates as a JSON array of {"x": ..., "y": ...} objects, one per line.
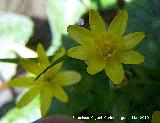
[
  {"x": 13, "y": 36},
  {"x": 25, "y": 115},
  {"x": 138, "y": 94}
]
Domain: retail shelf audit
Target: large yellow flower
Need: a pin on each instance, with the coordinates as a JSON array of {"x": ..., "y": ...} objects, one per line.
[
  {"x": 47, "y": 86},
  {"x": 106, "y": 49}
]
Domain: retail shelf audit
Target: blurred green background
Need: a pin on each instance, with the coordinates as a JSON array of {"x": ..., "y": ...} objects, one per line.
[{"x": 24, "y": 23}]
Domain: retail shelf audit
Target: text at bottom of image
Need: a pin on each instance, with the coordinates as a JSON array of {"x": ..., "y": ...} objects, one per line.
[{"x": 112, "y": 118}]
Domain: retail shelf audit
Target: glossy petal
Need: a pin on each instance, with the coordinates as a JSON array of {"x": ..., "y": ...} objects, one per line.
[
  {"x": 80, "y": 34},
  {"x": 59, "y": 54},
  {"x": 131, "y": 57},
  {"x": 60, "y": 94},
  {"x": 45, "y": 100},
  {"x": 30, "y": 66},
  {"x": 42, "y": 58},
  {"x": 96, "y": 22},
  {"x": 49, "y": 74},
  {"x": 66, "y": 78},
  {"x": 156, "y": 117},
  {"x": 133, "y": 39},
  {"x": 52, "y": 71},
  {"x": 28, "y": 96},
  {"x": 95, "y": 66},
  {"x": 114, "y": 71},
  {"x": 21, "y": 82},
  {"x": 119, "y": 23},
  {"x": 78, "y": 52}
]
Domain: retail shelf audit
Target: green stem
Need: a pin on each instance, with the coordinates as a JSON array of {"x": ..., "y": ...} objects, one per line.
[
  {"x": 16, "y": 60},
  {"x": 63, "y": 58}
]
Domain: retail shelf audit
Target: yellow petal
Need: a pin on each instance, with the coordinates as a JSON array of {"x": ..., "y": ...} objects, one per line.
[
  {"x": 49, "y": 74},
  {"x": 114, "y": 71},
  {"x": 66, "y": 78},
  {"x": 28, "y": 96},
  {"x": 59, "y": 54},
  {"x": 45, "y": 100},
  {"x": 21, "y": 82},
  {"x": 131, "y": 57},
  {"x": 52, "y": 71},
  {"x": 156, "y": 117},
  {"x": 30, "y": 66},
  {"x": 95, "y": 66},
  {"x": 119, "y": 23},
  {"x": 80, "y": 34},
  {"x": 42, "y": 58},
  {"x": 78, "y": 52},
  {"x": 60, "y": 94},
  {"x": 133, "y": 39},
  {"x": 96, "y": 22}
]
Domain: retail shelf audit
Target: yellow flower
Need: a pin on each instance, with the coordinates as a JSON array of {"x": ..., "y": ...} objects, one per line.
[
  {"x": 106, "y": 49},
  {"x": 156, "y": 117},
  {"x": 49, "y": 85}
]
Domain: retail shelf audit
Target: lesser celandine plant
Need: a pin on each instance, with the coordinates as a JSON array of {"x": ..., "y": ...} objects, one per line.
[
  {"x": 49, "y": 85},
  {"x": 106, "y": 49},
  {"x": 99, "y": 47}
]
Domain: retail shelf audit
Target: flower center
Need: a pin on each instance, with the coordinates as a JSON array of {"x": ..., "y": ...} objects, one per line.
[
  {"x": 107, "y": 51},
  {"x": 104, "y": 46}
]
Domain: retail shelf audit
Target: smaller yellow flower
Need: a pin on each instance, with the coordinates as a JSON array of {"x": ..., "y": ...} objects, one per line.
[
  {"x": 106, "y": 49},
  {"x": 156, "y": 117},
  {"x": 49, "y": 85}
]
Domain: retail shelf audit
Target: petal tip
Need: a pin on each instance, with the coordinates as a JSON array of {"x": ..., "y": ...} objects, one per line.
[
  {"x": 117, "y": 82},
  {"x": 92, "y": 11},
  {"x": 18, "y": 105},
  {"x": 66, "y": 101},
  {"x": 43, "y": 114},
  {"x": 142, "y": 59},
  {"x": 78, "y": 76},
  {"x": 73, "y": 53},
  {"x": 69, "y": 27},
  {"x": 143, "y": 34},
  {"x": 90, "y": 72},
  {"x": 39, "y": 45},
  {"x": 124, "y": 13}
]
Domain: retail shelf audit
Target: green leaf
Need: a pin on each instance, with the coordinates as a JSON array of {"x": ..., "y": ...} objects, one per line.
[
  {"x": 18, "y": 30},
  {"x": 62, "y": 13},
  {"x": 17, "y": 60},
  {"x": 28, "y": 114},
  {"x": 15, "y": 31}
]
